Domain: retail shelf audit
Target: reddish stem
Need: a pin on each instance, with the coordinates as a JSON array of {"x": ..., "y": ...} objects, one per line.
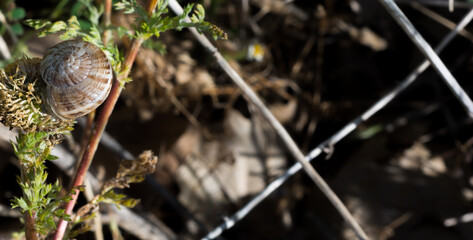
[
  {"x": 107, "y": 14},
  {"x": 151, "y": 6},
  {"x": 99, "y": 127},
  {"x": 88, "y": 155},
  {"x": 107, "y": 19},
  {"x": 87, "y": 132}
]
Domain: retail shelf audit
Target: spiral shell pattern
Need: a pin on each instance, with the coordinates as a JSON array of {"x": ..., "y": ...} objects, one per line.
[{"x": 78, "y": 77}]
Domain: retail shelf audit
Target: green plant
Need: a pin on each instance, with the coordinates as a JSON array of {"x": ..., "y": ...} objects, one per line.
[
  {"x": 20, "y": 100},
  {"x": 22, "y": 107}
]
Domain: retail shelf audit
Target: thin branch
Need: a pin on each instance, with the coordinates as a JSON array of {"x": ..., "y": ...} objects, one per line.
[
  {"x": 240, "y": 214},
  {"x": 296, "y": 67},
  {"x": 280, "y": 130},
  {"x": 141, "y": 227},
  {"x": 441, "y": 20},
  {"x": 388, "y": 231},
  {"x": 429, "y": 53},
  {"x": 437, "y": 3},
  {"x": 290, "y": 144},
  {"x": 97, "y": 220},
  {"x": 100, "y": 124},
  {"x": 4, "y": 51}
]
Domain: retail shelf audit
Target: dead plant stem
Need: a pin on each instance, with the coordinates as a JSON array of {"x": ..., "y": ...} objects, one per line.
[
  {"x": 430, "y": 54},
  {"x": 342, "y": 133},
  {"x": 291, "y": 146}
]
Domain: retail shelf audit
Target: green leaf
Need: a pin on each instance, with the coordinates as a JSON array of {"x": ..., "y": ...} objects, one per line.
[
  {"x": 199, "y": 14},
  {"x": 118, "y": 199},
  {"x": 155, "y": 45},
  {"x": 51, "y": 157},
  {"x": 129, "y": 202},
  {"x": 186, "y": 10},
  {"x": 20, "y": 202},
  {"x": 79, "y": 229},
  {"x": 57, "y": 26},
  {"x": 15, "y": 149},
  {"x": 50, "y": 223},
  {"x": 18, "y": 13},
  {"x": 60, "y": 214},
  {"x": 53, "y": 28},
  {"x": 30, "y": 140},
  {"x": 85, "y": 24},
  {"x": 72, "y": 30},
  {"x": 141, "y": 12},
  {"x": 17, "y": 29},
  {"x": 370, "y": 132},
  {"x": 58, "y": 9},
  {"x": 112, "y": 195},
  {"x": 93, "y": 13},
  {"x": 121, "y": 31},
  {"x": 128, "y": 6},
  {"x": 161, "y": 7},
  {"x": 77, "y": 8}
]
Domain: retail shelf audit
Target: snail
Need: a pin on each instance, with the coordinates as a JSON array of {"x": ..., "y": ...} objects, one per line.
[{"x": 78, "y": 76}]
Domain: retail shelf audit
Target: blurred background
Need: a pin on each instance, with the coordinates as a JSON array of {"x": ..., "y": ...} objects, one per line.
[{"x": 406, "y": 173}]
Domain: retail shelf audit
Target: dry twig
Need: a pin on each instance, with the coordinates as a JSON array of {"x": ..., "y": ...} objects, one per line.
[
  {"x": 442, "y": 20},
  {"x": 430, "y": 54},
  {"x": 280, "y": 130},
  {"x": 342, "y": 133}
]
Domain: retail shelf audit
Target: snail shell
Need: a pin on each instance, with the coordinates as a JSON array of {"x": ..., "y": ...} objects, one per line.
[{"x": 78, "y": 76}]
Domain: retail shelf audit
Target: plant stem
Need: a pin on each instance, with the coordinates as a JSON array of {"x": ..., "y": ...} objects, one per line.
[
  {"x": 89, "y": 193},
  {"x": 30, "y": 220},
  {"x": 87, "y": 132},
  {"x": 99, "y": 127},
  {"x": 151, "y": 6},
  {"x": 29, "y": 216},
  {"x": 107, "y": 16}
]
